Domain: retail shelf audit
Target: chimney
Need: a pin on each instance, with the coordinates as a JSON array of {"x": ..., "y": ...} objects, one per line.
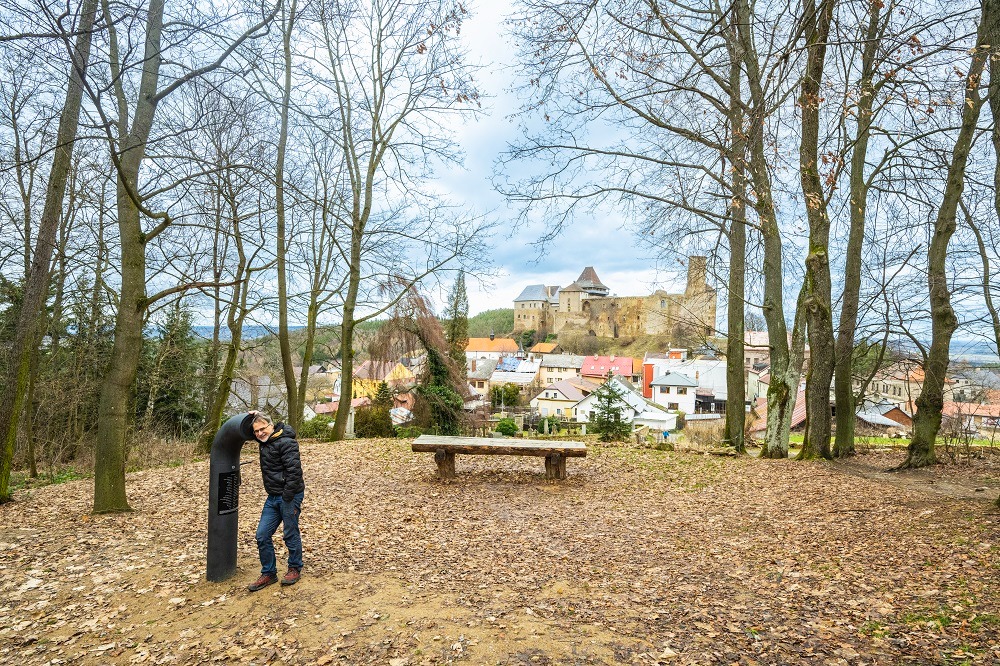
[
  {"x": 612, "y": 358},
  {"x": 492, "y": 335},
  {"x": 473, "y": 368}
]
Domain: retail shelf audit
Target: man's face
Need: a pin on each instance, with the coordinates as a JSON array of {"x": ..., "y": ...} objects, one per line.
[{"x": 262, "y": 430}]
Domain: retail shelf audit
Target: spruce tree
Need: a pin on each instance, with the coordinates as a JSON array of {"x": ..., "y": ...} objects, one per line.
[
  {"x": 457, "y": 323},
  {"x": 607, "y": 420}
]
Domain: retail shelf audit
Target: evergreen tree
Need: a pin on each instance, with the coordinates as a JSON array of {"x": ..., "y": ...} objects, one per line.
[
  {"x": 607, "y": 420},
  {"x": 383, "y": 396},
  {"x": 169, "y": 387},
  {"x": 457, "y": 323}
]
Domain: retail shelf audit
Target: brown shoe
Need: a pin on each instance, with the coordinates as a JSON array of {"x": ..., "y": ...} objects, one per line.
[
  {"x": 262, "y": 582},
  {"x": 292, "y": 577}
]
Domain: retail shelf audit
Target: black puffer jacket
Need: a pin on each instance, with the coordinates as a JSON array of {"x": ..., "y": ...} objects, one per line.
[{"x": 280, "y": 465}]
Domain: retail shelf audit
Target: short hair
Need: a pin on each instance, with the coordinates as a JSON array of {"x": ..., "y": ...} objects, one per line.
[{"x": 262, "y": 417}]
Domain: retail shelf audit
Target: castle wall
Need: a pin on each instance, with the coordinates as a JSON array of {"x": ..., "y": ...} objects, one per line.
[{"x": 690, "y": 315}]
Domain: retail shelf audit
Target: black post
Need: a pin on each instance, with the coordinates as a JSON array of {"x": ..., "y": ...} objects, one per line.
[{"x": 224, "y": 496}]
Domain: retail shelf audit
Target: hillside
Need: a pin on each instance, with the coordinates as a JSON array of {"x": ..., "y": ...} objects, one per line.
[
  {"x": 639, "y": 557},
  {"x": 499, "y": 321}
]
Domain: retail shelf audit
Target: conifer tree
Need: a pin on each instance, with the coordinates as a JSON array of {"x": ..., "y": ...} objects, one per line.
[
  {"x": 607, "y": 419},
  {"x": 457, "y": 324}
]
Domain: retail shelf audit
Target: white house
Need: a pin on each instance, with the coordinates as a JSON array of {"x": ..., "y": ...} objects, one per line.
[
  {"x": 515, "y": 371},
  {"x": 675, "y": 391},
  {"x": 558, "y": 399},
  {"x": 634, "y": 409}
]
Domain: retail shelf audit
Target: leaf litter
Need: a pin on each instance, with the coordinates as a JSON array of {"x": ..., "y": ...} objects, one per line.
[{"x": 639, "y": 557}]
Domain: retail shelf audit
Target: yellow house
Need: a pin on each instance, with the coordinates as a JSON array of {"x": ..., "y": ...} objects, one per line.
[{"x": 369, "y": 374}]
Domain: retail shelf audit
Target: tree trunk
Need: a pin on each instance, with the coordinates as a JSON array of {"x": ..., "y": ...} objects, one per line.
[
  {"x": 818, "y": 301},
  {"x": 307, "y": 355},
  {"x": 37, "y": 281},
  {"x": 994, "y": 96},
  {"x": 224, "y": 382},
  {"x": 736, "y": 376},
  {"x": 927, "y": 420},
  {"x": 784, "y": 377},
  {"x": 844, "y": 396},
  {"x": 291, "y": 394},
  {"x": 111, "y": 451}
]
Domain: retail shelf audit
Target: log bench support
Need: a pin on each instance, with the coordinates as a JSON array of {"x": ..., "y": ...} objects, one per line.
[
  {"x": 446, "y": 464},
  {"x": 555, "y": 466},
  {"x": 445, "y": 448}
]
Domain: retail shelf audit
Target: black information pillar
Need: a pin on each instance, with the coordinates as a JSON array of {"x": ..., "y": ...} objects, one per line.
[{"x": 224, "y": 496}]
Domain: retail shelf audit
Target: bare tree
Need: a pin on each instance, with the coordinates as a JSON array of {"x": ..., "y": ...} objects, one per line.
[
  {"x": 927, "y": 420},
  {"x": 128, "y": 134},
  {"x": 37, "y": 278},
  {"x": 395, "y": 74}
]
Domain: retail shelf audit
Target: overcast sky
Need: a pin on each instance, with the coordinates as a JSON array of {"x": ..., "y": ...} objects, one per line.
[{"x": 600, "y": 243}]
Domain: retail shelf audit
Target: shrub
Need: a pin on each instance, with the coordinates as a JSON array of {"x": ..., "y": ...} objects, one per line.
[
  {"x": 507, "y": 427},
  {"x": 319, "y": 427},
  {"x": 409, "y": 431},
  {"x": 705, "y": 434},
  {"x": 373, "y": 421}
]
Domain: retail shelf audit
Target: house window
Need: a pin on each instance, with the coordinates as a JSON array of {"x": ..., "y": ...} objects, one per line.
[
  {"x": 663, "y": 302},
  {"x": 590, "y": 415},
  {"x": 664, "y": 389},
  {"x": 682, "y": 390},
  {"x": 672, "y": 405}
]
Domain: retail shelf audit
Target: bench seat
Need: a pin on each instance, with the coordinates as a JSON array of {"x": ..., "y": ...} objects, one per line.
[{"x": 445, "y": 448}]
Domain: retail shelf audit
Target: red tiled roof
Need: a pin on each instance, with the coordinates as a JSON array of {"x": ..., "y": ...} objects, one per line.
[
  {"x": 598, "y": 366},
  {"x": 798, "y": 414},
  {"x": 544, "y": 347},
  {"x": 970, "y": 409}
]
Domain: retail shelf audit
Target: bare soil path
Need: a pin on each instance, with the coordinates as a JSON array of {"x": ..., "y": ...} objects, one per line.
[{"x": 640, "y": 557}]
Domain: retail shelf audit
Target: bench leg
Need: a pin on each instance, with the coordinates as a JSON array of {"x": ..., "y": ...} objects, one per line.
[
  {"x": 555, "y": 466},
  {"x": 446, "y": 464}
]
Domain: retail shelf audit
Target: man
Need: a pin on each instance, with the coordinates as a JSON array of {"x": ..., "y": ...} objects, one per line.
[{"x": 281, "y": 470}]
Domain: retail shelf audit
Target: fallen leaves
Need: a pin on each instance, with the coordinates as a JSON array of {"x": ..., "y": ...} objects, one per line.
[{"x": 640, "y": 557}]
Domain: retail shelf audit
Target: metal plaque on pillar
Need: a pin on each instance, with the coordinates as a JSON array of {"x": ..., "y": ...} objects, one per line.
[{"x": 224, "y": 496}]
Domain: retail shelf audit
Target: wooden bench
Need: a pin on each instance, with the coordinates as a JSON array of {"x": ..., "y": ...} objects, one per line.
[{"x": 445, "y": 448}]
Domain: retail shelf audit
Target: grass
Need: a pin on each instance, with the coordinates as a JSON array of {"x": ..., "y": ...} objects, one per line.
[{"x": 21, "y": 480}]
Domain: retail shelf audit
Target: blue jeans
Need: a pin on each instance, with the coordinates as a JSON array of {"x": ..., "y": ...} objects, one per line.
[{"x": 277, "y": 512}]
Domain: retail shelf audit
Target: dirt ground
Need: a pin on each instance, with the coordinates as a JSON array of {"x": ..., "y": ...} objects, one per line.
[{"x": 640, "y": 557}]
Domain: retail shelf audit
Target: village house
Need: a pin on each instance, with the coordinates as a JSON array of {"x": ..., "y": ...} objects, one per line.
[
  {"x": 708, "y": 374},
  {"x": 479, "y": 372},
  {"x": 558, "y": 399},
  {"x": 541, "y": 349},
  {"x": 635, "y": 409},
  {"x": 369, "y": 374},
  {"x": 557, "y": 367},
  {"x": 972, "y": 418},
  {"x": 521, "y": 373},
  {"x": 901, "y": 383},
  {"x": 598, "y": 367},
  {"x": 674, "y": 391},
  {"x": 493, "y": 348}
]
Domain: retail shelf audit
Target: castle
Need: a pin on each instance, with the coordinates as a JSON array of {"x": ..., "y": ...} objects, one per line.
[{"x": 585, "y": 306}]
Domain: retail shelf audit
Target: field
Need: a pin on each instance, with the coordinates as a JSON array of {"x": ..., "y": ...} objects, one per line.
[{"x": 640, "y": 557}]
